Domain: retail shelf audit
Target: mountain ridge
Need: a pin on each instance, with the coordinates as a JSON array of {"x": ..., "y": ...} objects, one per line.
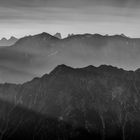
[
  {"x": 8, "y": 42},
  {"x": 39, "y": 37},
  {"x": 40, "y": 53},
  {"x": 103, "y": 99}
]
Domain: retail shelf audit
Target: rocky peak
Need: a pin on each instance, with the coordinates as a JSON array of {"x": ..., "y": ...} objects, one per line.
[
  {"x": 58, "y": 35},
  {"x": 3, "y": 39},
  {"x": 62, "y": 68}
]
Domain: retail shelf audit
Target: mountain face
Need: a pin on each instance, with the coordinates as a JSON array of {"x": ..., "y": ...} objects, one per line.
[
  {"x": 27, "y": 58},
  {"x": 103, "y": 100},
  {"x": 43, "y": 40},
  {"x": 17, "y": 122},
  {"x": 32, "y": 56},
  {"x": 8, "y": 42}
]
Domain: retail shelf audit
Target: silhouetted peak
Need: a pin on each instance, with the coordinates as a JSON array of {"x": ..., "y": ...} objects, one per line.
[
  {"x": 90, "y": 68},
  {"x": 12, "y": 38},
  {"x": 123, "y": 35},
  {"x": 109, "y": 68},
  {"x": 58, "y": 35},
  {"x": 41, "y": 36},
  {"x": 3, "y": 39},
  {"x": 38, "y": 38},
  {"x": 85, "y": 36},
  {"x": 44, "y": 35},
  {"x": 69, "y": 35},
  {"x": 62, "y": 68},
  {"x": 8, "y": 42}
]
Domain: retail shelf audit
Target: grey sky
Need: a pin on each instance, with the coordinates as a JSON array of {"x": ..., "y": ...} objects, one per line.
[{"x": 21, "y": 17}]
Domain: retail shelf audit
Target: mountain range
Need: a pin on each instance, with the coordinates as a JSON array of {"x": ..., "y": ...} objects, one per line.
[
  {"x": 60, "y": 88},
  {"x": 8, "y": 42},
  {"x": 104, "y": 101},
  {"x": 32, "y": 56},
  {"x": 12, "y": 40}
]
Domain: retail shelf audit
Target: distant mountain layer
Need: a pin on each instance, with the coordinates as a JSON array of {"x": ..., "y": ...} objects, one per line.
[
  {"x": 103, "y": 100},
  {"x": 32, "y": 56},
  {"x": 8, "y": 42}
]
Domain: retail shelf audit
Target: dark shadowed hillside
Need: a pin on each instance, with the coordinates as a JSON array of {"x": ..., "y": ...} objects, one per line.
[
  {"x": 21, "y": 123},
  {"x": 104, "y": 100}
]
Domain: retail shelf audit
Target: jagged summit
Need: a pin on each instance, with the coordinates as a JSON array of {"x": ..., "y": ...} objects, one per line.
[
  {"x": 39, "y": 40},
  {"x": 41, "y": 36},
  {"x": 102, "y": 68},
  {"x": 61, "y": 68},
  {"x": 90, "y": 67},
  {"x": 96, "y": 35},
  {"x": 8, "y": 42},
  {"x": 58, "y": 35},
  {"x": 44, "y": 34},
  {"x": 13, "y": 38},
  {"x": 109, "y": 67},
  {"x": 4, "y": 39}
]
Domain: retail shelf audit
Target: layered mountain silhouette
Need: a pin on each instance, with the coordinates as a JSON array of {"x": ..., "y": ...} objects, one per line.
[
  {"x": 8, "y": 42},
  {"x": 32, "y": 56},
  {"x": 104, "y": 101},
  {"x": 70, "y": 102}
]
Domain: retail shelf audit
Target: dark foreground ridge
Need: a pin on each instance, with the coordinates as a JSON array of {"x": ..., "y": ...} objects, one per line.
[{"x": 70, "y": 103}]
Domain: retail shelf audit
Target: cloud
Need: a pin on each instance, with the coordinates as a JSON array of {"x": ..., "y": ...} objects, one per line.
[
  {"x": 22, "y": 17},
  {"x": 67, "y": 3}
]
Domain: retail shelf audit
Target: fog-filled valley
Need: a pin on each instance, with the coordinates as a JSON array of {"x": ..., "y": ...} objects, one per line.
[{"x": 33, "y": 56}]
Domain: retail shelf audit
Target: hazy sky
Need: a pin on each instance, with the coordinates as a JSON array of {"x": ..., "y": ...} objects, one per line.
[{"x": 23, "y": 17}]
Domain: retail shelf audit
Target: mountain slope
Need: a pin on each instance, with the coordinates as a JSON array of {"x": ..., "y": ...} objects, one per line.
[
  {"x": 101, "y": 99},
  {"x": 26, "y": 57},
  {"x": 17, "y": 122}
]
